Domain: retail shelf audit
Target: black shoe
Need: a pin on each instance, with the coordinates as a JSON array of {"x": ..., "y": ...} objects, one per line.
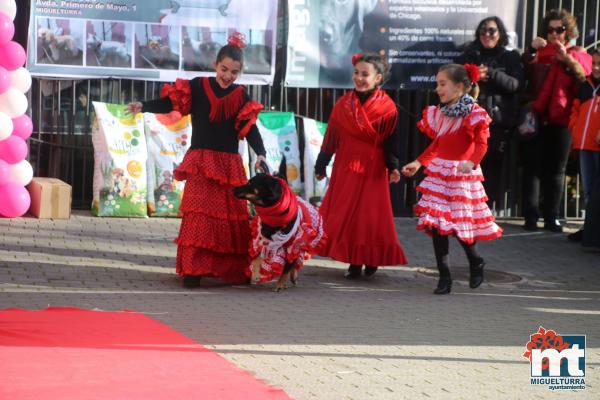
[
  {"x": 191, "y": 281},
  {"x": 476, "y": 277},
  {"x": 575, "y": 236},
  {"x": 444, "y": 286},
  {"x": 353, "y": 272},
  {"x": 370, "y": 271},
  {"x": 530, "y": 225},
  {"x": 553, "y": 226}
]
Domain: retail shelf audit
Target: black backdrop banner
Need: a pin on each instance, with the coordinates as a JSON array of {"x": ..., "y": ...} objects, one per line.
[{"x": 416, "y": 36}]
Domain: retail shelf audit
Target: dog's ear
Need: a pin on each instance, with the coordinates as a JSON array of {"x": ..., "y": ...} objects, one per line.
[
  {"x": 365, "y": 7},
  {"x": 280, "y": 176}
]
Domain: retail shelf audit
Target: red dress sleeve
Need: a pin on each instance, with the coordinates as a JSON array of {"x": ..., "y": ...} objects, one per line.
[
  {"x": 429, "y": 154},
  {"x": 480, "y": 125},
  {"x": 180, "y": 94},
  {"x": 247, "y": 117},
  {"x": 424, "y": 124}
]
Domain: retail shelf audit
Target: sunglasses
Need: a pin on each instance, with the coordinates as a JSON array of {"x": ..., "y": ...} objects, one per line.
[
  {"x": 488, "y": 31},
  {"x": 558, "y": 30}
]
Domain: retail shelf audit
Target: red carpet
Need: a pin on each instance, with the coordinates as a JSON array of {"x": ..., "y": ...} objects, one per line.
[{"x": 67, "y": 353}]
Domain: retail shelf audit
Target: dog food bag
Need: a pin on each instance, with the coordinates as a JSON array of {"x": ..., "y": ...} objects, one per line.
[
  {"x": 168, "y": 137},
  {"x": 314, "y": 132},
  {"x": 280, "y": 138},
  {"x": 245, "y": 154},
  {"x": 120, "y": 182}
]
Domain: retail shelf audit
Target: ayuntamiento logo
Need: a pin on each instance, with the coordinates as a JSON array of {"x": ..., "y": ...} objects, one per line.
[{"x": 557, "y": 361}]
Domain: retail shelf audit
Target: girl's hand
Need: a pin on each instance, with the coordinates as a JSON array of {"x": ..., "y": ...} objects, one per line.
[
  {"x": 134, "y": 107},
  {"x": 466, "y": 167},
  {"x": 394, "y": 176},
  {"x": 411, "y": 168},
  {"x": 538, "y": 43},
  {"x": 259, "y": 161},
  {"x": 598, "y": 137}
]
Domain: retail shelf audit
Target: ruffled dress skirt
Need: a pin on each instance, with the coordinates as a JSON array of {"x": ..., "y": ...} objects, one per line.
[
  {"x": 215, "y": 231},
  {"x": 454, "y": 203},
  {"x": 308, "y": 238}
]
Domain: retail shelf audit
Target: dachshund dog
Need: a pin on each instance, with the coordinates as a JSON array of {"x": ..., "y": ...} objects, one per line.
[{"x": 286, "y": 231}]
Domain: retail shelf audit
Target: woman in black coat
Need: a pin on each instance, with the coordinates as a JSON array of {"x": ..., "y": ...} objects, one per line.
[{"x": 501, "y": 78}]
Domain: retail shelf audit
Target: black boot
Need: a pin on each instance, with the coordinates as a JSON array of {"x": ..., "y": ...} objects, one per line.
[
  {"x": 476, "y": 276},
  {"x": 444, "y": 285},
  {"x": 353, "y": 271},
  {"x": 191, "y": 281},
  {"x": 445, "y": 282},
  {"x": 370, "y": 270}
]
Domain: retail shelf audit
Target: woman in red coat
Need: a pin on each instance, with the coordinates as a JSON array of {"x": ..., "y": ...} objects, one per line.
[
  {"x": 357, "y": 211},
  {"x": 555, "y": 69}
]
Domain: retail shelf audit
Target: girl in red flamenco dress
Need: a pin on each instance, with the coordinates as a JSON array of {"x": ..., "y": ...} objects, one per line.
[
  {"x": 215, "y": 232},
  {"x": 453, "y": 200},
  {"x": 357, "y": 211}
]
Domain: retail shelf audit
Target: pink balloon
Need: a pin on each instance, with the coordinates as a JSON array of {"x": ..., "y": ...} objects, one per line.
[
  {"x": 22, "y": 126},
  {"x": 4, "y": 172},
  {"x": 12, "y": 56},
  {"x": 5, "y": 80},
  {"x": 7, "y": 28},
  {"x": 15, "y": 200},
  {"x": 13, "y": 149}
]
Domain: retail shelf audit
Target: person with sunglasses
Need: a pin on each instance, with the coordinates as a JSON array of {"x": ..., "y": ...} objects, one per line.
[
  {"x": 501, "y": 78},
  {"x": 555, "y": 67}
]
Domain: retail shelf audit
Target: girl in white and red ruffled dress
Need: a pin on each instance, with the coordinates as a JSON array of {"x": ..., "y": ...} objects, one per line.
[
  {"x": 453, "y": 200},
  {"x": 215, "y": 232}
]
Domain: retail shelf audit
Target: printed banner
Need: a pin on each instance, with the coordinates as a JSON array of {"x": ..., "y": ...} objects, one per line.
[
  {"x": 416, "y": 36},
  {"x": 314, "y": 132},
  {"x": 168, "y": 137},
  {"x": 151, "y": 40},
  {"x": 280, "y": 138}
]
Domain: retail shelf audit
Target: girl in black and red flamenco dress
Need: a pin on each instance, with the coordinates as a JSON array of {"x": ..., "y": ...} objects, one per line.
[
  {"x": 357, "y": 210},
  {"x": 215, "y": 232},
  {"x": 453, "y": 200}
]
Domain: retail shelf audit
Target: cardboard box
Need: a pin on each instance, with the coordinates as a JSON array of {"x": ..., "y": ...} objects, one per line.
[{"x": 50, "y": 198}]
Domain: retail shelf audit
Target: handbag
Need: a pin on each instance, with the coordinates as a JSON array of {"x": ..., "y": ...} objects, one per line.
[{"x": 528, "y": 126}]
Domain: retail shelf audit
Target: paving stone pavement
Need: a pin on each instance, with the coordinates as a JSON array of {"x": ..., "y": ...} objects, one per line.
[{"x": 387, "y": 337}]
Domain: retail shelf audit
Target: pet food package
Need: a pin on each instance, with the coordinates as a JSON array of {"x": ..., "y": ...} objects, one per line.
[
  {"x": 168, "y": 137},
  {"x": 245, "y": 154},
  {"x": 120, "y": 155},
  {"x": 314, "y": 132},
  {"x": 280, "y": 138}
]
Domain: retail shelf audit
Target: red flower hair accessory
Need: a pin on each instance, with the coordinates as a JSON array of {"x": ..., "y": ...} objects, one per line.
[
  {"x": 473, "y": 72},
  {"x": 356, "y": 57},
  {"x": 237, "y": 39}
]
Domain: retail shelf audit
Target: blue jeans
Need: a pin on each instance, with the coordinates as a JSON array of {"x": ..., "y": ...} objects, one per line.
[{"x": 589, "y": 166}]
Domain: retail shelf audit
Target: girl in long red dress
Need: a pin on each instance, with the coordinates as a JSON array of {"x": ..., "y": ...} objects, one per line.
[
  {"x": 215, "y": 233},
  {"x": 357, "y": 211},
  {"x": 453, "y": 200}
]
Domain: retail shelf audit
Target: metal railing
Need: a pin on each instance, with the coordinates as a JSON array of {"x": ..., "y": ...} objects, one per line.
[{"x": 62, "y": 113}]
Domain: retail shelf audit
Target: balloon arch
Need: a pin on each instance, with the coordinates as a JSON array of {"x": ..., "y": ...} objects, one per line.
[{"x": 15, "y": 125}]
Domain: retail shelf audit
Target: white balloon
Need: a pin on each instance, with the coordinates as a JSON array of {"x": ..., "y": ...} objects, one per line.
[
  {"x": 6, "y": 126},
  {"x": 13, "y": 103},
  {"x": 21, "y": 173},
  {"x": 20, "y": 79},
  {"x": 9, "y": 7}
]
